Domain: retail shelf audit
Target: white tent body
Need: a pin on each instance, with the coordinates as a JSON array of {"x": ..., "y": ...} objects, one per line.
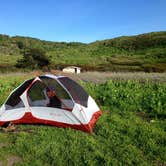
[{"x": 28, "y": 104}]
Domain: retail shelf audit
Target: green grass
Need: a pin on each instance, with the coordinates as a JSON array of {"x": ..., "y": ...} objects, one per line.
[
  {"x": 131, "y": 130},
  {"x": 102, "y": 58},
  {"x": 8, "y": 59},
  {"x": 7, "y": 62}
]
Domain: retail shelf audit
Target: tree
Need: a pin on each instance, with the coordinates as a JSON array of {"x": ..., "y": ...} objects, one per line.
[
  {"x": 20, "y": 44},
  {"x": 33, "y": 58}
]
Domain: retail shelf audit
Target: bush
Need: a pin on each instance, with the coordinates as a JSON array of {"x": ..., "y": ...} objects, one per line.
[{"x": 33, "y": 58}]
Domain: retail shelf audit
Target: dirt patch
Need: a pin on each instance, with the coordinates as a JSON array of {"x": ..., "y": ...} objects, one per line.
[
  {"x": 11, "y": 160},
  {"x": 3, "y": 145},
  {"x": 144, "y": 116},
  {"x": 1, "y": 164}
]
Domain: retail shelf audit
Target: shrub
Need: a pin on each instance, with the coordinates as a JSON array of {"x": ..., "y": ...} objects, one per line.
[{"x": 33, "y": 58}]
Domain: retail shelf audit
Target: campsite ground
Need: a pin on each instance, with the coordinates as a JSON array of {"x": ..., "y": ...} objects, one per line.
[{"x": 131, "y": 130}]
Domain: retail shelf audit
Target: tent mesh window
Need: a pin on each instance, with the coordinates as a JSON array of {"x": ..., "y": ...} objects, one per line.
[
  {"x": 14, "y": 100},
  {"x": 61, "y": 94},
  {"x": 36, "y": 95},
  {"x": 77, "y": 92}
]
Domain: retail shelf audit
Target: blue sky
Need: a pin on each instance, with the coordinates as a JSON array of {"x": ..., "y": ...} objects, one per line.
[{"x": 81, "y": 20}]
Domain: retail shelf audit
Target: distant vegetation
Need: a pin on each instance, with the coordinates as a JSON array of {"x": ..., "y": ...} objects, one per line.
[
  {"x": 146, "y": 52},
  {"x": 33, "y": 58}
]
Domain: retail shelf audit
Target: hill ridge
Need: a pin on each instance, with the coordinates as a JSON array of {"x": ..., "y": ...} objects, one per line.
[{"x": 143, "y": 52}]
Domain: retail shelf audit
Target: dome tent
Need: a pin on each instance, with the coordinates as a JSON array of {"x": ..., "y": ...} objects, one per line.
[{"x": 29, "y": 104}]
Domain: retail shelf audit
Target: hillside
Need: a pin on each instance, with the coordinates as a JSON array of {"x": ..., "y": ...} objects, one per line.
[{"x": 145, "y": 52}]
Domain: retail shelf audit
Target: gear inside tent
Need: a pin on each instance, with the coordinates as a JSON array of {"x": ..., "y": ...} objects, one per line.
[{"x": 51, "y": 100}]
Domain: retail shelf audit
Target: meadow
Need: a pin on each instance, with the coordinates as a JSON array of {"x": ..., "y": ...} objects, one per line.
[{"x": 131, "y": 130}]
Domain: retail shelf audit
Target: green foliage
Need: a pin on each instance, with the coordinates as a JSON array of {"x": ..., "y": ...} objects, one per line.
[
  {"x": 132, "y": 96},
  {"x": 20, "y": 44},
  {"x": 33, "y": 58},
  {"x": 139, "y": 42}
]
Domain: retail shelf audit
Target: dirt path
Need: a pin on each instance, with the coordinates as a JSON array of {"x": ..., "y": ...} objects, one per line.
[{"x": 101, "y": 77}]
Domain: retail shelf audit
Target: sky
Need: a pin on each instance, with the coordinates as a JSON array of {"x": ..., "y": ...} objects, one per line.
[{"x": 81, "y": 20}]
